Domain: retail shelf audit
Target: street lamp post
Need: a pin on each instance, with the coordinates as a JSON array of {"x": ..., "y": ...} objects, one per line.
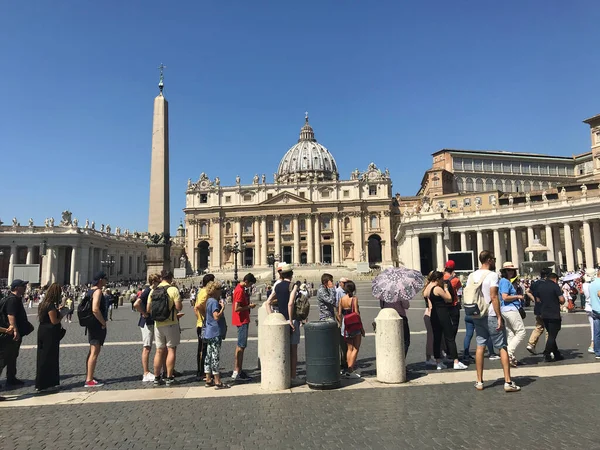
[
  {"x": 236, "y": 248},
  {"x": 109, "y": 263},
  {"x": 271, "y": 260}
]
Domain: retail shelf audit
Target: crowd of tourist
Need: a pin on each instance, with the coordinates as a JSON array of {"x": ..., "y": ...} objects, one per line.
[{"x": 492, "y": 301}]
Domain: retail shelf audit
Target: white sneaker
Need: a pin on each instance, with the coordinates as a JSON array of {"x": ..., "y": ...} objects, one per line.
[
  {"x": 352, "y": 375},
  {"x": 148, "y": 377},
  {"x": 460, "y": 366},
  {"x": 431, "y": 362},
  {"x": 441, "y": 366},
  {"x": 494, "y": 358},
  {"x": 531, "y": 349},
  {"x": 590, "y": 349}
]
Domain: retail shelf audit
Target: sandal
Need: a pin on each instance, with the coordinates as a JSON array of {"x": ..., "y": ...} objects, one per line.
[
  {"x": 210, "y": 383},
  {"x": 221, "y": 386}
]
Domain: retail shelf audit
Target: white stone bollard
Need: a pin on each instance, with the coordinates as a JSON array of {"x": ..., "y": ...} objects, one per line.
[
  {"x": 262, "y": 316},
  {"x": 275, "y": 349},
  {"x": 389, "y": 347}
]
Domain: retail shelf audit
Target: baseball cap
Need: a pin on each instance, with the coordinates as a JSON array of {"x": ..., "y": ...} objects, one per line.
[
  {"x": 450, "y": 265},
  {"x": 18, "y": 283}
]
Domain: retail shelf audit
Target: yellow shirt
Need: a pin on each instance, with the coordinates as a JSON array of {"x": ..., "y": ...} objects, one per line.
[
  {"x": 173, "y": 294},
  {"x": 201, "y": 299}
]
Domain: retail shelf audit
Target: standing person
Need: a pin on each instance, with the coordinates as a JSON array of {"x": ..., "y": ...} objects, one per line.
[
  {"x": 70, "y": 304},
  {"x": 48, "y": 340},
  {"x": 327, "y": 298},
  {"x": 349, "y": 304},
  {"x": 8, "y": 330},
  {"x": 163, "y": 304},
  {"x": 510, "y": 304},
  {"x": 340, "y": 292},
  {"x": 537, "y": 311},
  {"x": 454, "y": 286},
  {"x": 551, "y": 298},
  {"x": 215, "y": 329},
  {"x": 272, "y": 297},
  {"x": 15, "y": 317},
  {"x": 200, "y": 311},
  {"x": 595, "y": 305},
  {"x": 484, "y": 282},
  {"x": 146, "y": 324},
  {"x": 285, "y": 303},
  {"x": 440, "y": 299},
  {"x": 97, "y": 330},
  {"x": 240, "y": 318},
  {"x": 589, "y": 276}
]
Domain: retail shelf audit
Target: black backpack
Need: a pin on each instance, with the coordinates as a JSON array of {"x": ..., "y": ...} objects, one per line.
[
  {"x": 84, "y": 310},
  {"x": 160, "y": 304}
]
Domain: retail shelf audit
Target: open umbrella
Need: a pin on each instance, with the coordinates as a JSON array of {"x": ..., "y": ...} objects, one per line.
[
  {"x": 571, "y": 276},
  {"x": 397, "y": 283}
]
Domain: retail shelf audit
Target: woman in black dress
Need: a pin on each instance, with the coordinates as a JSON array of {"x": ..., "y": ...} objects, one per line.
[{"x": 49, "y": 335}]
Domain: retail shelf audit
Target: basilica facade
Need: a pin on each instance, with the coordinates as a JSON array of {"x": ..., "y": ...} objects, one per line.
[{"x": 308, "y": 215}]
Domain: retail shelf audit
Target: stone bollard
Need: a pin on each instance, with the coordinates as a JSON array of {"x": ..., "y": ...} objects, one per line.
[
  {"x": 260, "y": 321},
  {"x": 275, "y": 349},
  {"x": 389, "y": 347}
]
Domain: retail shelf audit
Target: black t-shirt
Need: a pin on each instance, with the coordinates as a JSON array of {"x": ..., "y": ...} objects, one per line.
[
  {"x": 14, "y": 307},
  {"x": 537, "y": 307},
  {"x": 549, "y": 293},
  {"x": 282, "y": 292},
  {"x": 144, "y": 304}
]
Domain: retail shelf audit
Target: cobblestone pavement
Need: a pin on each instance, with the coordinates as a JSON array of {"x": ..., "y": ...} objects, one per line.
[{"x": 553, "y": 413}]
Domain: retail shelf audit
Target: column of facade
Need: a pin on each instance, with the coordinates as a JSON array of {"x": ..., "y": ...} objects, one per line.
[
  {"x": 416, "y": 252},
  {"x": 336, "y": 238},
  {"x": 439, "y": 250},
  {"x": 359, "y": 238},
  {"x": 463, "y": 241},
  {"x": 558, "y": 252},
  {"x": 84, "y": 269},
  {"x": 588, "y": 245},
  {"x": 530, "y": 238},
  {"x": 217, "y": 246},
  {"x": 318, "y": 258},
  {"x": 258, "y": 261},
  {"x": 74, "y": 267},
  {"x": 577, "y": 245},
  {"x": 596, "y": 232},
  {"x": 569, "y": 248},
  {"x": 479, "y": 242},
  {"x": 514, "y": 248},
  {"x": 498, "y": 249},
  {"x": 549, "y": 242},
  {"x": 189, "y": 245},
  {"x": 277, "y": 229},
  {"x": 296, "y": 229},
  {"x": 12, "y": 262},
  {"x": 310, "y": 243},
  {"x": 238, "y": 229},
  {"x": 264, "y": 240}
]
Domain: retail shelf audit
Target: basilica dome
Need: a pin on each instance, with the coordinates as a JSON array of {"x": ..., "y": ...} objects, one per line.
[{"x": 307, "y": 160}]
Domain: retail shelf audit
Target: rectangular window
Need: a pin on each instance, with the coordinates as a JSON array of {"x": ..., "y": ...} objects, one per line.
[
  {"x": 372, "y": 189},
  {"x": 491, "y": 199},
  {"x": 346, "y": 194},
  {"x": 478, "y": 165},
  {"x": 468, "y": 165},
  {"x": 269, "y": 196},
  {"x": 453, "y": 204},
  {"x": 506, "y": 167},
  {"x": 478, "y": 200},
  {"x": 302, "y": 224},
  {"x": 302, "y": 194},
  {"x": 553, "y": 170},
  {"x": 325, "y": 194},
  {"x": 457, "y": 163},
  {"x": 487, "y": 166},
  {"x": 203, "y": 198},
  {"x": 467, "y": 201},
  {"x": 303, "y": 238},
  {"x": 270, "y": 226},
  {"x": 247, "y": 197},
  {"x": 228, "y": 199}
]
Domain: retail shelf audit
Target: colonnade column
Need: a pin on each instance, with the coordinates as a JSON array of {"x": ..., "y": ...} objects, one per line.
[
  {"x": 596, "y": 232},
  {"x": 318, "y": 258},
  {"x": 439, "y": 250},
  {"x": 463, "y": 241},
  {"x": 497, "y": 249},
  {"x": 277, "y": 229},
  {"x": 416, "y": 252},
  {"x": 74, "y": 267},
  {"x": 558, "y": 253},
  {"x": 569, "y": 248},
  {"x": 310, "y": 242},
  {"x": 84, "y": 268},
  {"x": 336, "y": 238},
  {"x": 479, "y": 242},
  {"x": 530, "y": 238},
  {"x": 514, "y": 248},
  {"x": 588, "y": 245},
  {"x": 577, "y": 245},
  {"x": 258, "y": 261},
  {"x": 549, "y": 243},
  {"x": 11, "y": 263},
  {"x": 264, "y": 240},
  {"x": 296, "y": 228}
]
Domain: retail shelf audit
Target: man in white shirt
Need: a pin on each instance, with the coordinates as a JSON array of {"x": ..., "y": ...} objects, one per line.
[{"x": 490, "y": 326}]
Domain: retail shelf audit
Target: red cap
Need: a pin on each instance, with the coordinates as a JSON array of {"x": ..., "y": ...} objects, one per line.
[{"x": 450, "y": 265}]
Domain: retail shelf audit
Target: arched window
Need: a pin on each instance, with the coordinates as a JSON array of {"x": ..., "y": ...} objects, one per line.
[
  {"x": 469, "y": 185},
  {"x": 479, "y": 185},
  {"x": 203, "y": 228},
  {"x": 374, "y": 221},
  {"x": 459, "y": 184},
  {"x": 489, "y": 186}
]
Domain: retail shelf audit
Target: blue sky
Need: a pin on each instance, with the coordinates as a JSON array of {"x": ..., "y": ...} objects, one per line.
[{"x": 387, "y": 81}]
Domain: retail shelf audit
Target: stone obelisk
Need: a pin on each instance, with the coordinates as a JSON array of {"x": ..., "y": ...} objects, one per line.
[{"x": 158, "y": 256}]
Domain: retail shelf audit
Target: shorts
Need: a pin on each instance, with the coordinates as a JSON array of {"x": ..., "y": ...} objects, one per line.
[
  {"x": 485, "y": 328},
  {"x": 96, "y": 335},
  {"x": 168, "y": 336},
  {"x": 242, "y": 340},
  {"x": 147, "y": 335},
  {"x": 295, "y": 335}
]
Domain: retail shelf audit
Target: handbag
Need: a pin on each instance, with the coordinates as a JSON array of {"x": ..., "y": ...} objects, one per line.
[
  {"x": 27, "y": 328},
  {"x": 62, "y": 333},
  {"x": 522, "y": 312}
]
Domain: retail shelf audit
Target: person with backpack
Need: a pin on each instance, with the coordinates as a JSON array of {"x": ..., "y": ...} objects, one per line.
[
  {"x": 200, "y": 311},
  {"x": 352, "y": 328},
  {"x": 240, "y": 318},
  {"x": 511, "y": 309},
  {"x": 163, "y": 304},
  {"x": 537, "y": 311},
  {"x": 146, "y": 325},
  {"x": 481, "y": 302},
  {"x": 214, "y": 330},
  {"x": 92, "y": 313}
]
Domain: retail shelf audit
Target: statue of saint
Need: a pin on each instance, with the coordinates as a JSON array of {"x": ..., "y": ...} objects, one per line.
[
  {"x": 255, "y": 179},
  {"x": 108, "y": 228},
  {"x": 102, "y": 228},
  {"x": 563, "y": 193},
  {"x": 189, "y": 183},
  {"x": 15, "y": 222},
  {"x": 511, "y": 200},
  {"x": 75, "y": 222},
  {"x": 583, "y": 190},
  {"x": 93, "y": 225},
  {"x": 87, "y": 223},
  {"x": 183, "y": 262},
  {"x": 217, "y": 181},
  {"x": 544, "y": 196},
  {"x": 527, "y": 198},
  {"x": 494, "y": 201},
  {"x": 264, "y": 179},
  {"x": 51, "y": 222},
  {"x": 238, "y": 180},
  {"x": 30, "y": 222}
]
